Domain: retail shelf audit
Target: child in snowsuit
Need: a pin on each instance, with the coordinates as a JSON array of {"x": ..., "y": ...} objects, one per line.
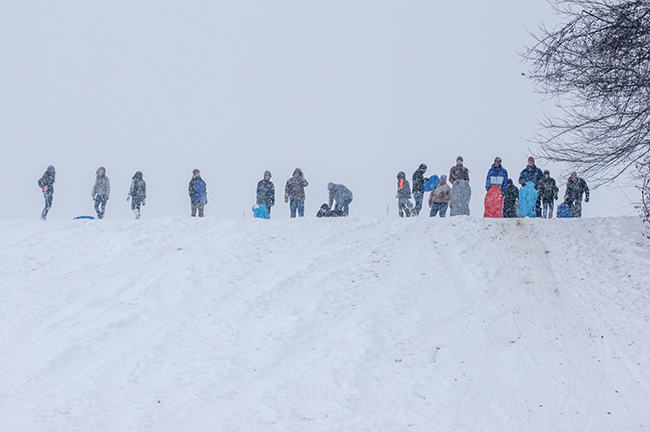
[
  {"x": 325, "y": 211},
  {"x": 137, "y": 193},
  {"x": 439, "y": 198},
  {"x": 403, "y": 195},
  {"x": 198, "y": 191},
  {"x": 46, "y": 183},
  {"x": 101, "y": 192},
  {"x": 510, "y": 200},
  {"x": 548, "y": 192}
]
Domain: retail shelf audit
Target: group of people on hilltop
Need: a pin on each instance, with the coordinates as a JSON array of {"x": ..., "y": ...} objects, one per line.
[
  {"x": 440, "y": 197},
  {"x": 340, "y": 197},
  {"x": 546, "y": 186}
]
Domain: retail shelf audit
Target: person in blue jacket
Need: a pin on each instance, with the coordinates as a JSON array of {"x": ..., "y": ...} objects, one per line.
[
  {"x": 198, "y": 193},
  {"x": 533, "y": 174},
  {"x": 497, "y": 176}
]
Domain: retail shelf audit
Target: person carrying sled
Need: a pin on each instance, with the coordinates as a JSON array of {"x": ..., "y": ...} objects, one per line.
[
  {"x": 439, "y": 198},
  {"x": 418, "y": 188},
  {"x": 510, "y": 200},
  {"x": 198, "y": 191},
  {"x": 266, "y": 192},
  {"x": 342, "y": 196},
  {"x": 137, "y": 193},
  {"x": 575, "y": 187},
  {"x": 46, "y": 183},
  {"x": 497, "y": 176},
  {"x": 548, "y": 190},
  {"x": 294, "y": 193},
  {"x": 403, "y": 195},
  {"x": 458, "y": 172},
  {"x": 101, "y": 192},
  {"x": 533, "y": 174}
]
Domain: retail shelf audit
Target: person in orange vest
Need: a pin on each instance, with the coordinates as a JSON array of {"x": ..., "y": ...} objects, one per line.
[{"x": 403, "y": 195}]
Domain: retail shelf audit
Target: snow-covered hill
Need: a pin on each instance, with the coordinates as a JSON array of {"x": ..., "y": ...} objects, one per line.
[{"x": 359, "y": 324}]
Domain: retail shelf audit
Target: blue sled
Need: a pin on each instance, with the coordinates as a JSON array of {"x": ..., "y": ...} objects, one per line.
[
  {"x": 85, "y": 217},
  {"x": 261, "y": 212}
]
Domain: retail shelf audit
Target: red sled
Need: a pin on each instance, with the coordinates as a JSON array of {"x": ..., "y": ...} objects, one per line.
[{"x": 493, "y": 203}]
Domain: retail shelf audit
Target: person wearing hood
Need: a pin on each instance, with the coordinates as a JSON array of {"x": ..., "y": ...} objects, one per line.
[
  {"x": 46, "y": 183},
  {"x": 439, "y": 198},
  {"x": 403, "y": 195},
  {"x": 137, "y": 193},
  {"x": 198, "y": 191},
  {"x": 266, "y": 192},
  {"x": 101, "y": 192},
  {"x": 548, "y": 191},
  {"x": 325, "y": 212},
  {"x": 497, "y": 176},
  {"x": 458, "y": 172},
  {"x": 294, "y": 191},
  {"x": 418, "y": 188},
  {"x": 575, "y": 187},
  {"x": 510, "y": 198},
  {"x": 533, "y": 174},
  {"x": 342, "y": 196}
]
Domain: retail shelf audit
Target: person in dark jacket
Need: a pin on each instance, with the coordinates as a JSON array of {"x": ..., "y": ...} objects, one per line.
[
  {"x": 342, "y": 196},
  {"x": 137, "y": 193},
  {"x": 418, "y": 188},
  {"x": 575, "y": 187},
  {"x": 294, "y": 193},
  {"x": 497, "y": 176},
  {"x": 403, "y": 195},
  {"x": 532, "y": 174},
  {"x": 458, "y": 172},
  {"x": 326, "y": 211},
  {"x": 548, "y": 192},
  {"x": 198, "y": 191},
  {"x": 101, "y": 192},
  {"x": 266, "y": 191},
  {"x": 46, "y": 183},
  {"x": 510, "y": 198}
]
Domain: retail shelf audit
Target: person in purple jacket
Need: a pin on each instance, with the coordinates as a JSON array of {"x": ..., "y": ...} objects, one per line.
[{"x": 497, "y": 176}]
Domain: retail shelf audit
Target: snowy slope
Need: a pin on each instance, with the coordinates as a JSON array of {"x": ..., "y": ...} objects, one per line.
[{"x": 359, "y": 324}]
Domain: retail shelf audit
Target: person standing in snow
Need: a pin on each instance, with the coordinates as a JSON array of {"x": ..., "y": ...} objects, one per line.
[
  {"x": 198, "y": 191},
  {"x": 418, "y": 188},
  {"x": 101, "y": 192},
  {"x": 266, "y": 191},
  {"x": 575, "y": 187},
  {"x": 294, "y": 191},
  {"x": 137, "y": 193},
  {"x": 458, "y": 172},
  {"x": 510, "y": 198},
  {"x": 439, "y": 198},
  {"x": 403, "y": 195},
  {"x": 46, "y": 183},
  {"x": 548, "y": 191},
  {"x": 497, "y": 176},
  {"x": 342, "y": 196},
  {"x": 533, "y": 174}
]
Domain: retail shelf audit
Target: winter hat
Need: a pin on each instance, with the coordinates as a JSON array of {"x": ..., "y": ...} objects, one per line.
[
  {"x": 547, "y": 172},
  {"x": 401, "y": 175},
  {"x": 196, "y": 172},
  {"x": 497, "y": 159},
  {"x": 102, "y": 170},
  {"x": 137, "y": 175},
  {"x": 443, "y": 177},
  {"x": 459, "y": 158},
  {"x": 422, "y": 166},
  {"x": 267, "y": 173},
  {"x": 531, "y": 159}
]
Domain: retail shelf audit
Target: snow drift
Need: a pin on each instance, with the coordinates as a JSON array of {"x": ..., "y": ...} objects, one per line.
[{"x": 355, "y": 324}]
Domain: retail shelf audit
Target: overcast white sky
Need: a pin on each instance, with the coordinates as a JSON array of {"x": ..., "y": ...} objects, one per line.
[{"x": 349, "y": 91}]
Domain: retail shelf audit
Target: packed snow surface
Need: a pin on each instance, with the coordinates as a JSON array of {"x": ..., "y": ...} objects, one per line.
[{"x": 358, "y": 324}]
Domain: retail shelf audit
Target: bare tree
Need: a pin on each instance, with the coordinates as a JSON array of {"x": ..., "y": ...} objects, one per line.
[
  {"x": 644, "y": 205},
  {"x": 597, "y": 67}
]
